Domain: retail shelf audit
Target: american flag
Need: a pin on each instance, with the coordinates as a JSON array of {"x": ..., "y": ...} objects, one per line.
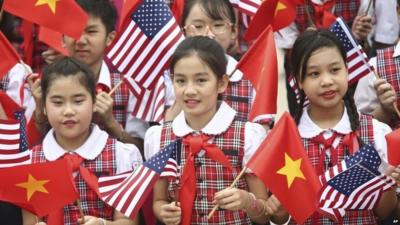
[
  {"x": 357, "y": 61},
  {"x": 127, "y": 192},
  {"x": 149, "y": 104},
  {"x": 143, "y": 49},
  {"x": 13, "y": 143},
  {"x": 247, "y": 9},
  {"x": 354, "y": 184}
]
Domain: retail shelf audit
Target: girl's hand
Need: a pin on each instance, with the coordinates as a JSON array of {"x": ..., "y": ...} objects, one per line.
[
  {"x": 394, "y": 172},
  {"x": 103, "y": 107},
  {"x": 171, "y": 213},
  {"x": 34, "y": 84},
  {"x": 386, "y": 94},
  {"x": 41, "y": 223},
  {"x": 51, "y": 55},
  {"x": 90, "y": 220},
  {"x": 274, "y": 208},
  {"x": 362, "y": 26},
  {"x": 172, "y": 111},
  {"x": 232, "y": 199}
]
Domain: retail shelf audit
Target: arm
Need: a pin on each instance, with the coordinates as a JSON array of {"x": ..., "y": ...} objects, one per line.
[
  {"x": 251, "y": 201},
  {"x": 385, "y": 112},
  {"x": 119, "y": 219},
  {"x": 39, "y": 114},
  {"x": 30, "y": 219},
  {"x": 166, "y": 212}
]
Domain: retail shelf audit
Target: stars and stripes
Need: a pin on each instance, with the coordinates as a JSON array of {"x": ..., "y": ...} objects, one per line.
[
  {"x": 13, "y": 143},
  {"x": 354, "y": 184},
  {"x": 357, "y": 61},
  {"x": 127, "y": 192},
  {"x": 248, "y": 7},
  {"x": 145, "y": 45}
]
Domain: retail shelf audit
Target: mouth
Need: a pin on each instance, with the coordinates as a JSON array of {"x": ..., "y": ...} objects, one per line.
[
  {"x": 69, "y": 123},
  {"x": 328, "y": 94},
  {"x": 191, "y": 103}
]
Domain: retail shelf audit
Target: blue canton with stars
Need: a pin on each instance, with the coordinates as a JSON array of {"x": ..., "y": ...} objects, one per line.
[
  {"x": 367, "y": 156},
  {"x": 152, "y": 16},
  {"x": 341, "y": 35},
  {"x": 349, "y": 180},
  {"x": 158, "y": 162},
  {"x": 23, "y": 143}
]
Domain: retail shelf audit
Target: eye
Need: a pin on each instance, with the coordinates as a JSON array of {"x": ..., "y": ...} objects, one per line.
[
  {"x": 201, "y": 80},
  {"x": 313, "y": 74},
  {"x": 79, "y": 101},
  {"x": 57, "y": 102},
  {"x": 179, "y": 81},
  {"x": 335, "y": 70}
]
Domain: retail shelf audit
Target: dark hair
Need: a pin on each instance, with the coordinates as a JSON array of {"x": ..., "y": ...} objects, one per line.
[
  {"x": 1, "y": 4},
  {"x": 306, "y": 44},
  {"x": 67, "y": 67},
  {"x": 207, "y": 49},
  {"x": 103, "y": 9},
  {"x": 215, "y": 9}
]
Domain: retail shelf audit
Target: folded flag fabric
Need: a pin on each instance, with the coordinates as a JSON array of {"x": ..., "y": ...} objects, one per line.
[
  {"x": 127, "y": 192},
  {"x": 354, "y": 184}
]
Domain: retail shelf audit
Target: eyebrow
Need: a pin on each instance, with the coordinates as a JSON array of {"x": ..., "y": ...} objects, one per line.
[
  {"x": 196, "y": 74},
  {"x": 61, "y": 96}
]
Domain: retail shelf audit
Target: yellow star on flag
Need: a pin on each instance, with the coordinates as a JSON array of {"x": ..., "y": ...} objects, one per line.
[
  {"x": 51, "y": 3},
  {"x": 291, "y": 169},
  {"x": 279, "y": 6},
  {"x": 32, "y": 185}
]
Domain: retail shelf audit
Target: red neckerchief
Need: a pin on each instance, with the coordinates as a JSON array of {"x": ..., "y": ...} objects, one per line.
[{"x": 323, "y": 16}]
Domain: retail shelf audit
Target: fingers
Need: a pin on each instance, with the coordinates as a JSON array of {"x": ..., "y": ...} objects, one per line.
[
  {"x": 395, "y": 173},
  {"x": 362, "y": 26},
  {"x": 171, "y": 214},
  {"x": 232, "y": 199},
  {"x": 273, "y": 205},
  {"x": 103, "y": 104},
  {"x": 385, "y": 93},
  {"x": 51, "y": 55}
]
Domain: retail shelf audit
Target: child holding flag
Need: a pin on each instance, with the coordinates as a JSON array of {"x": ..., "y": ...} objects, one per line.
[
  {"x": 215, "y": 145},
  {"x": 330, "y": 126},
  {"x": 69, "y": 97}
]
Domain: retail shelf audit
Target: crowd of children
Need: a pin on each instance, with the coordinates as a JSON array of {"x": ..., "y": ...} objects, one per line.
[{"x": 69, "y": 105}]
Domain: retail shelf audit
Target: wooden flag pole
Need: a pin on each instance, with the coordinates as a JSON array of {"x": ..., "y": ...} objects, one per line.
[
  {"x": 309, "y": 18},
  {"x": 79, "y": 205},
  {"x": 231, "y": 186},
  {"x": 115, "y": 87},
  {"x": 369, "y": 6}
]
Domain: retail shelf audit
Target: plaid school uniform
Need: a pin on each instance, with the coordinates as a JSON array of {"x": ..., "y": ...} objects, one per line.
[
  {"x": 239, "y": 96},
  {"x": 313, "y": 152},
  {"x": 103, "y": 165},
  {"x": 121, "y": 98},
  {"x": 212, "y": 176},
  {"x": 389, "y": 69},
  {"x": 347, "y": 9}
]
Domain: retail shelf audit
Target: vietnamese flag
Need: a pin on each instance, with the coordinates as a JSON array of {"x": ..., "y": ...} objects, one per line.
[
  {"x": 177, "y": 10},
  {"x": 9, "y": 56},
  {"x": 38, "y": 188},
  {"x": 53, "y": 39},
  {"x": 64, "y": 16},
  {"x": 277, "y": 13},
  {"x": 260, "y": 66},
  {"x": 393, "y": 143},
  {"x": 285, "y": 169}
]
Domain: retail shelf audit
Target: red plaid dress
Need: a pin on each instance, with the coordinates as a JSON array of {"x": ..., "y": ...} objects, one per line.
[
  {"x": 389, "y": 69},
  {"x": 121, "y": 98},
  {"x": 347, "y": 9},
  {"x": 212, "y": 176},
  {"x": 102, "y": 165},
  {"x": 313, "y": 151},
  {"x": 239, "y": 96}
]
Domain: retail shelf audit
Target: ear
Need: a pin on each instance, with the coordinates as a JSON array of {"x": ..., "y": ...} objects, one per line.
[
  {"x": 63, "y": 42},
  {"x": 223, "y": 84},
  {"x": 44, "y": 111},
  {"x": 110, "y": 37}
]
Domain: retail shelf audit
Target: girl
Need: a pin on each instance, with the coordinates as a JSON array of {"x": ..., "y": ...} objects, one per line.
[
  {"x": 330, "y": 126},
  {"x": 214, "y": 148},
  {"x": 69, "y": 96},
  {"x": 216, "y": 19}
]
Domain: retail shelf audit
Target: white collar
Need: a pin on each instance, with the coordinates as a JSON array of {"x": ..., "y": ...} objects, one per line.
[
  {"x": 220, "y": 122},
  {"x": 89, "y": 150},
  {"x": 104, "y": 75},
  {"x": 230, "y": 67},
  {"x": 308, "y": 129},
  {"x": 397, "y": 50}
]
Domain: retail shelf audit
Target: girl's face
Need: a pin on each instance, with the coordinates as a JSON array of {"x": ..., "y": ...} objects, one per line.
[
  {"x": 198, "y": 23},
  {"x": 196, "y": 88},
  {"x": 325, "y": 82},
  {"x": 69, "y": 109}
]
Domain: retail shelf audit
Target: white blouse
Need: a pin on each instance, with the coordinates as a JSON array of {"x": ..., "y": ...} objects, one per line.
[
  {"x": 221, "y": 121},
  {"x": 127, "y": 155}
]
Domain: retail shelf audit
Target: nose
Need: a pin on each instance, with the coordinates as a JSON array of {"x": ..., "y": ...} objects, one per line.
[
  {"x": 326, "y": 79},
  {"x": 82, "y": 39},
  {"x": 190, "y": 89},
  {"x": 68, "y": 110},
  {"x": 208, "y": 33}
]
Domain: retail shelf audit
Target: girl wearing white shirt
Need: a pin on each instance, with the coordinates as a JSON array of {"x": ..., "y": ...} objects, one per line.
[
  {"x": 214, "y": 145},
  {"x": 69, "y": 94}
]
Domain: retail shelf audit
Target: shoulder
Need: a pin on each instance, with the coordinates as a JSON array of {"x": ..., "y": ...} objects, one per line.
[{"x": 152, "y": 141}]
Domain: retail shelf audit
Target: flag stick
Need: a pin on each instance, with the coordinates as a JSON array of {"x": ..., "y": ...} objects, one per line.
[
  {"x": 369, "y": 6},
  {"x": 231, "y": 186},
  {"x": 79, "y": 205},
  {"x": 394, "y": 103},
  {"x": 115, "y": 87},
  {"x": 310, "y": 20}
]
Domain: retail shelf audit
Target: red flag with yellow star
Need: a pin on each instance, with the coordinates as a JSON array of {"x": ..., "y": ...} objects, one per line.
[
  {"x": 282, "y": 164},
  {"x": 277, "y": 13},
  {"x": 38, "y": 188},
  {"x": 64, "y": 16}
]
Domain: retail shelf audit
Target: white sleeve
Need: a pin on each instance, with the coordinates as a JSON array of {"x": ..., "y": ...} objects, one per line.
[
  {"x": 152, "y": 141},
  {"x": 365, "y": 95},
  {"x": 380, "y": 131},
  {"x": 16, "y": 77},
  {"x": 127, "y": 157},
  {"x": 285, "y": 37},
  {"x": 134, "y": 126},
  {"x": 253, "y": 136},
  {"x": 169, "y": 89},
  {"x": 387, "y": 24}
]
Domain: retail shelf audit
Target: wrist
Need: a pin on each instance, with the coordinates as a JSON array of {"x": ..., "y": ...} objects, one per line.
[{"x": 102, "y": 221}]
